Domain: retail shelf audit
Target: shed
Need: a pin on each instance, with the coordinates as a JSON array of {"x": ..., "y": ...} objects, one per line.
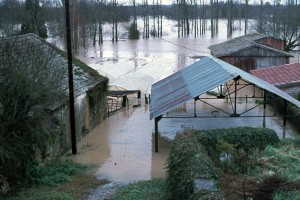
[
  {"x": 285, "y": 77},
  {"x": 252, "y": 51},
  {"x": 26, "y": 53},
  {"x": 206, "y": 74}
]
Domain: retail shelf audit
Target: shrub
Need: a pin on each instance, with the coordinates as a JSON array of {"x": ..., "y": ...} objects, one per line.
[
  {"x": 133, "y": 32},
  {"x": 236, "y": 148},
  {"x": 188, "y": 160}
]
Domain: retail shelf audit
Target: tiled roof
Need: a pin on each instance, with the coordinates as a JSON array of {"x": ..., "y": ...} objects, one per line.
[
  {"x": 237, "y": 44},
  {"x": 279, "y": 75},
  {"x": 30, "y": 50}
]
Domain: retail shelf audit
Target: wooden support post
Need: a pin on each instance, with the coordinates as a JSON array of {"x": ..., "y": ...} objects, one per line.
[
  {"x": 156, "y": 120},
  {"x": 146, "y": 99}
]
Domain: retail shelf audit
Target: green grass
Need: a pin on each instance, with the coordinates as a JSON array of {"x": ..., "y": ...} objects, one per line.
[
  {"x": 41, "y": 194},
  {"x": 287, "y": 196},
  {"x": 146, "y": 190},
  {"x": 283, "y": 160},
  {"x": 59, "y": 180}
]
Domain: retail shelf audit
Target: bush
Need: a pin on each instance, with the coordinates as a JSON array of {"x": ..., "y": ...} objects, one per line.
[
  {"x": 236, "y": 148},
  {"x": 188, "y": 160},
  {"x": 133, "y": 32}
]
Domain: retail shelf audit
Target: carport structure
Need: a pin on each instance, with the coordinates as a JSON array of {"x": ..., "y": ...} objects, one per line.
[{"x": 207, "y": 74}]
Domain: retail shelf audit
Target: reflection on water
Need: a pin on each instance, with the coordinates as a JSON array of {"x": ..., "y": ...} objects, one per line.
[{"x": 121, "y": 147}]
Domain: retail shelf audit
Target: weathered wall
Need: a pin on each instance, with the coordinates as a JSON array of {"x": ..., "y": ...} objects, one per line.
[
  {"x": 259, "y": 58},
  {"x": 291, "y": 89},
  {"x": 273, "y": 42},
  {"x": 90, "y": 110}
]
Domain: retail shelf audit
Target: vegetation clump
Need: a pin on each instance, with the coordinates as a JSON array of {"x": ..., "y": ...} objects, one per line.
[
  {"x": 146, "y": 190},
  {"x": 133, "y": 32},
  {"x": 214, "y": 155},
  {"x": 188, "y": 160},
  {"x": 47, "y": 181}
]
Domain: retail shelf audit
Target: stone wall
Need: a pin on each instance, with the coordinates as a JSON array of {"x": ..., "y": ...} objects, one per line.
[{"x": 90, "y": 110}]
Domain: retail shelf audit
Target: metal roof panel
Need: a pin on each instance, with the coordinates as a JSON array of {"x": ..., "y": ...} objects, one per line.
[{"x": 198, "y": 78}]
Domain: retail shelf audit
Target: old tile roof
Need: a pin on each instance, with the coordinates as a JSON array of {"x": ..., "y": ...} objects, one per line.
[
  {"x": 279, "y": 75},
  {"x": 29, "y": 48},
  {"x": 237, "y": 44}
]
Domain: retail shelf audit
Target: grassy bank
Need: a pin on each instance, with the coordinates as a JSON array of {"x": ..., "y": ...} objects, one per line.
[{"x": 59, "y": 180}]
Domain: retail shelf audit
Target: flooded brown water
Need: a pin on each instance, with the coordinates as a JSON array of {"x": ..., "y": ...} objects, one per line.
[{"x": 121, "y": 147}]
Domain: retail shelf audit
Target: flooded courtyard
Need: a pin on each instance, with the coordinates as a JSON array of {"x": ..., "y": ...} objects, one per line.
[{"x": 121, "y": 148}]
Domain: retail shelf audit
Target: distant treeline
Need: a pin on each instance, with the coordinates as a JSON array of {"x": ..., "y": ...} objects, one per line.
[{"x": 193, "y": 17}]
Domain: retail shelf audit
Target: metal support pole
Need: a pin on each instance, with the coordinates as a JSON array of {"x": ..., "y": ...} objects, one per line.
[
  {"x": 156, "y": 120},
  {"x": 195, "y": 99},
  {"x": 265, "y": 106},
  {"x": 124, "y": 101},
  {"x": 235, "y": 96},
  {"x": 284, "y": 112},
  {"x": 195, "y": 115},
  {"x": 265, "y": 99},
  {"x": 70, "y": 74}
]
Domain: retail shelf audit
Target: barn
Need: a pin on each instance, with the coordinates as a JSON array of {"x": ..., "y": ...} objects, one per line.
[{"x": 252, "y": 51}]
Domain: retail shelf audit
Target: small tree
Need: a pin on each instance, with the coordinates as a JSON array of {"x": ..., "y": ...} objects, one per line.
[{"x": 32, "y": 80}]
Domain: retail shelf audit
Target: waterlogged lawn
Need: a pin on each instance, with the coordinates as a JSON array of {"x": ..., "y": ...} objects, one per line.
[{"x": 146, "y": 190}]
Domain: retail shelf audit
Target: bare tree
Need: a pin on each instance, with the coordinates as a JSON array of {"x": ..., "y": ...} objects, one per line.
[
  {"x": 146, "y": 19},
  {"x": 285, "y": 24},
  {"x": 33, "y": 20},
  {"x": 11, "y": 12}
]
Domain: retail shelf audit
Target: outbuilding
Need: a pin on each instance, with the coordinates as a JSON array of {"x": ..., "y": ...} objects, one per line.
[
  {"x": 285, "y": 77},
  {"x": 252, "y": 51},
  {"x": 37, "y": 63},
  {"x": 204, "y": 75}
]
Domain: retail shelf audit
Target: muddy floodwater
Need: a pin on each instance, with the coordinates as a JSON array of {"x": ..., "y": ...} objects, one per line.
[{"x": 121, "y": 149}]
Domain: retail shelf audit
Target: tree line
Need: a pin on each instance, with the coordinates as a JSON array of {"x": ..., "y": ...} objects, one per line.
[{"x": 193, "y": 17}]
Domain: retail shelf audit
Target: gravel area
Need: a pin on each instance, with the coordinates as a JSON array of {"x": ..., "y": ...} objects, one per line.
[{"x": 104, "y": 192}]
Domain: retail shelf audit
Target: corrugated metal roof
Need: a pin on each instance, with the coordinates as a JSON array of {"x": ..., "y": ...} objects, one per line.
[
  {"x": 198, "y": 78},
  {"x": 237, "y": 44}
]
